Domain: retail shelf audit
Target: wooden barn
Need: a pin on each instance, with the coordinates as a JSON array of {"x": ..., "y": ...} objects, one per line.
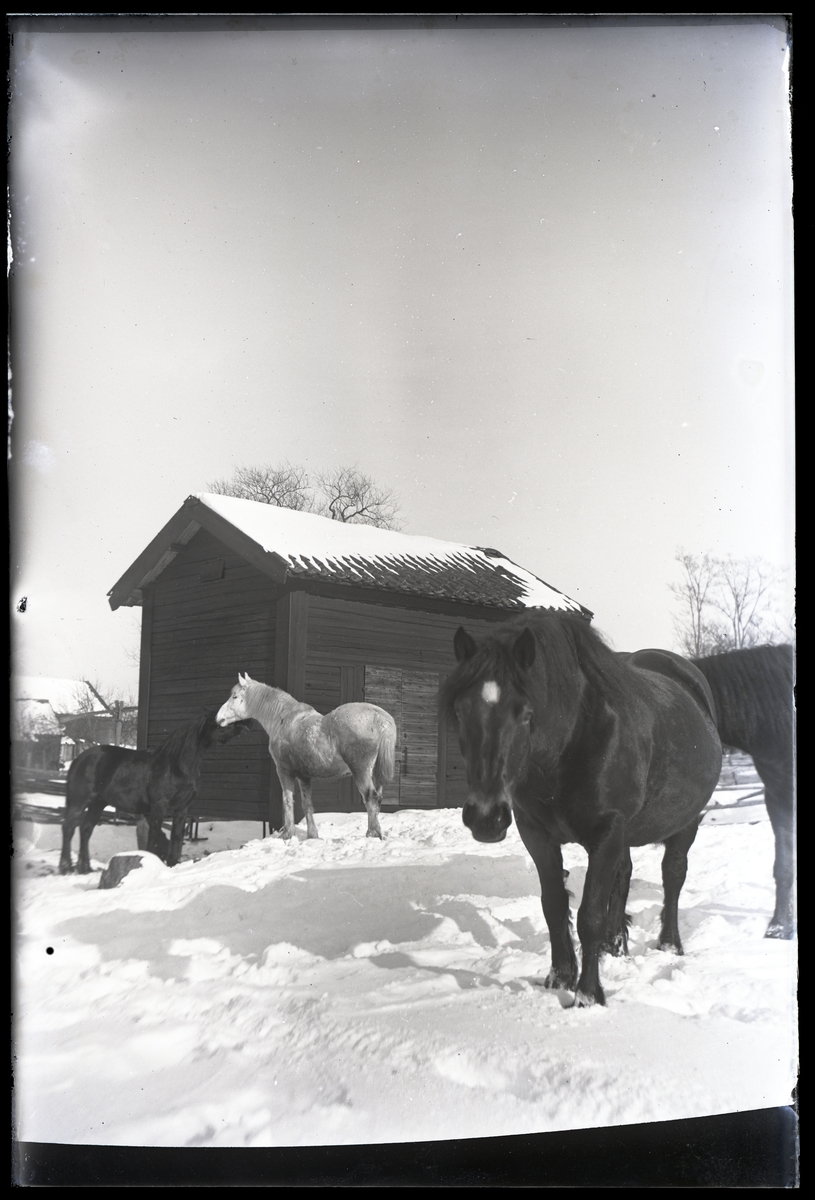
[{"x": 331, "y": 613}]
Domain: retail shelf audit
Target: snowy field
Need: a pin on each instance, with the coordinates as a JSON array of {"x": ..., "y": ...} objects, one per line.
[{"x": 347, "y": 991}]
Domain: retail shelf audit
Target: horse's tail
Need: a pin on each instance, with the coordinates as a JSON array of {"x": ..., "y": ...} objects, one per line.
[{"x": 385, "y": 763}]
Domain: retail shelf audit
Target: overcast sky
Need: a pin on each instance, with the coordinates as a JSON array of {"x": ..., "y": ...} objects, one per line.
[{"x": 537, "y": 281}]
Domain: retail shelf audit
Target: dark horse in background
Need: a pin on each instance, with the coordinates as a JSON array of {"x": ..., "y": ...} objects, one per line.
[
  {"x": 753, "y": 691},
  {"x": 584, "y": 745},
  {"x": 150, "y": 784}
]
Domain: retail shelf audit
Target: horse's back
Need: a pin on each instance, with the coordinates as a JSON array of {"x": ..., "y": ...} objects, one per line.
[
  {"x": 680, "y": 670},
  {"x": 105, "y": 771},
  {"x": 361, "y": 720}
]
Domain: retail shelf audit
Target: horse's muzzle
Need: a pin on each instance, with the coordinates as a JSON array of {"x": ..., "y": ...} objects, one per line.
[{"x": 487, "y": 821}]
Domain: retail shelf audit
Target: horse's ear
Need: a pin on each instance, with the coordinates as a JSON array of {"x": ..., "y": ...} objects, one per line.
[
  {"x": 524, "y": 650},
  {"x": 463, "y": 644},
  {"x": 243, "y": 679}
]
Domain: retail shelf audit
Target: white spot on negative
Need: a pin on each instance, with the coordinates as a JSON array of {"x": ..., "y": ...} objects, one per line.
[{"x": 490, "y": 692}]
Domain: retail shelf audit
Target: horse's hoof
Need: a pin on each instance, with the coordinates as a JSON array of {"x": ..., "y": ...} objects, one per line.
[
  {"x": 584, "y": 1000},
  {"x": 617, "y": 948},
  {"x": 672, "y": 948},
  {"x": 374, "y": 833},
  {"x": 779, "y": 932},
  {"x": 558, "y": 982}
]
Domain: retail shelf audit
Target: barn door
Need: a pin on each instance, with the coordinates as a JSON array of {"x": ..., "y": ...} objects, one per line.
[{"x": 410, "y": 698}]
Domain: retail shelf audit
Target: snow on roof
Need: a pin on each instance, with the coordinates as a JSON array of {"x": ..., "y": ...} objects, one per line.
[
  {"x": 316, "y": 546},
  {"x": 34, "y": 719},
  {"x": 64, "y": 695}
]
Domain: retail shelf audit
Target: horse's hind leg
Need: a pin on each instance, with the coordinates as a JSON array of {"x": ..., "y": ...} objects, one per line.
[
  {"x": 616, "y": 942},
  {"x": 86, "y": 827},
  {"x": 372, "y": 799},
  {"x": 674, "y": 871},
  {"x": 308, "y": 807},
  {"x": 69, "y": 823},
  {"x": 778, "y": 797}
]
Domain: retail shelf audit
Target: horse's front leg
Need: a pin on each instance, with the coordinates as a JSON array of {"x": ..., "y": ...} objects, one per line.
[
  {"x": 605, "y": 854},
  {"x": 674, "y": 870},
  {"x": 156, "y": 842},
  {"x": 287, "y": 784},
  {"x": 548, "y": 858},
  {"x": 177, "y": 834},
  {"x": 308, "y": 807}
]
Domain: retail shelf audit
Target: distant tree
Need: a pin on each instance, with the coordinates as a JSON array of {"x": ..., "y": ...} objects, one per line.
[
  {"x": 699, "y": 573},
  {"x": 726, "y": 604},
  {"x": 283, "y": 486},
  {"x": 348, "y": 495},
  {"x": 343, "y": 494}
]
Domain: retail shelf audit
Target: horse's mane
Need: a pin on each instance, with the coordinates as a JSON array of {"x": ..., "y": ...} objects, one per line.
[
  {"x": 267, "y": 704},
  {"x": 568, "y": 642},
  {"x": 189, "y": 739},
  {"x": 753, "y": 692}
]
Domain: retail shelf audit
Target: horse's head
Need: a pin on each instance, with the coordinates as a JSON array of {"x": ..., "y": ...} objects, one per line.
[
  {"x": 235, "y": 708},
  {"x": 486, "y": 696}
]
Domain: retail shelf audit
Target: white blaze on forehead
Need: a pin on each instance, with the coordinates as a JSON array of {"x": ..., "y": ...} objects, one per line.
[{"x": 490, "y": 692}]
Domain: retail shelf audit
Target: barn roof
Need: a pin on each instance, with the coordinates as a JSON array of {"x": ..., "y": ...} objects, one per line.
[{"x": 288, "y": 546}]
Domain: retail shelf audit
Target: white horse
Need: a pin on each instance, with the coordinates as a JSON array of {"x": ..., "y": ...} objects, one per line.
[{"x": 354, "y": 739}]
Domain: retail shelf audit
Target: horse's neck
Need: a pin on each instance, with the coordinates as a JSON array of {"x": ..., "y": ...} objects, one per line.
[
  {"x": 271, "y": 707},
  {"x": 193, "y": 748}
]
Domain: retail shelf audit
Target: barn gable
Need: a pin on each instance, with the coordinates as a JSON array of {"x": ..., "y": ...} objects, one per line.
[{"x": 330, "y": 613}]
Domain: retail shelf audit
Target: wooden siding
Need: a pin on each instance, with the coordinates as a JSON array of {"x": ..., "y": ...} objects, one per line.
[
  {"x": 206, "y": 624},
  {"x": 350, "y": 634}
]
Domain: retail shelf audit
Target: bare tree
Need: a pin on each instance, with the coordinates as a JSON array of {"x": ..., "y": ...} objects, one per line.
[
  {"x": 699, "y": 574},
  {"x": 726, "y": 604},
  {"x": 350, "y": 496},
  {"x": 100, "y": 719},
  {"x": 343, "y": 494},
  {"x": 283, "y": 486},
  {"x": 742, "y": 599}
]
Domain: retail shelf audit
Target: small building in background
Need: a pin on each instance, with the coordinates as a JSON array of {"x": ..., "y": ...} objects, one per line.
[
  {"x": 36, "y": 735},
  {"x": 330, "y": 613},
  {"x": 83, "y": 717}
]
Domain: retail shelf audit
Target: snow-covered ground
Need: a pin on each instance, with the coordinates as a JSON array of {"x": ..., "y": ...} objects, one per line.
[{"x": 340, "y": 991}]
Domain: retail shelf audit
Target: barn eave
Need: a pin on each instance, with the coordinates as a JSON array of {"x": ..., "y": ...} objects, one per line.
[{"x": 173, "y": 539}]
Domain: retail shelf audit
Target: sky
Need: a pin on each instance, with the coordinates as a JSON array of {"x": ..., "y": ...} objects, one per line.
[{"x": 537, "y": 281}]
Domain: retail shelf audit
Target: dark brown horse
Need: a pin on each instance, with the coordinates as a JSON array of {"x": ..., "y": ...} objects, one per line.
[
  {"x": 753, "y": 691},
  {"x": 150, "y": 784},
  {"x": 586, "y": 746}
]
